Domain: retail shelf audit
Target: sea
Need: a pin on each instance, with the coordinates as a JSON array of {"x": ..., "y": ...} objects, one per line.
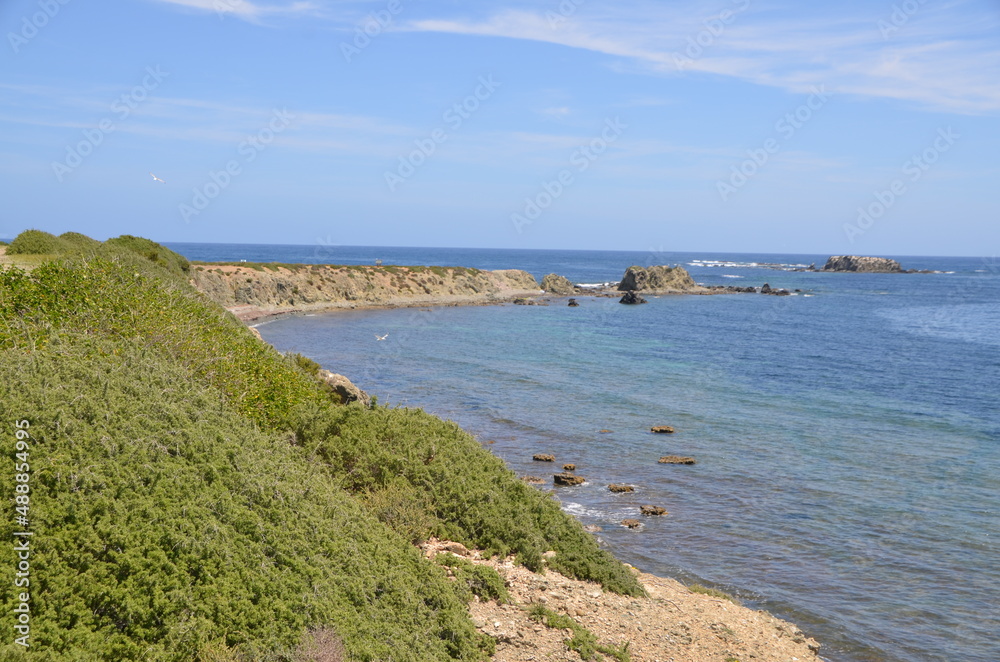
[{"x": 847, "y": 437}]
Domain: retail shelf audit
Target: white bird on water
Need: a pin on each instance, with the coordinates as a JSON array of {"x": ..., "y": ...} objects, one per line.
[
  {"x": 156, "y": 179},
  {"x": 378, "y": 337}
]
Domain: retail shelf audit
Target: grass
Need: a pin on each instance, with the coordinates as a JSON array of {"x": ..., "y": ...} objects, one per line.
[
  {"x": 198, "y": 495},
  {"x": 583, "y": 640}
]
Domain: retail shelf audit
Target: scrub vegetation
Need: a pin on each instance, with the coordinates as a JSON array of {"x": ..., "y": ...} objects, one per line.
[{"x": 195, "y": 495}]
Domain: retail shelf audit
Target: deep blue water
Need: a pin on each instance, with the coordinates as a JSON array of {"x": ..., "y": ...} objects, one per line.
[{"x": 848, "y": 438}]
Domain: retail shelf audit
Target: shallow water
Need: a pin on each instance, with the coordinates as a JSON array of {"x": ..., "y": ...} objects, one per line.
[{"x": 848, "y": 443}]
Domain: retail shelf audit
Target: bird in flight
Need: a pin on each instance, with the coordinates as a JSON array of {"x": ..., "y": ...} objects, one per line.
[
  {"x": 156, "y": 179},
  {"x": 378, "y": 337}
]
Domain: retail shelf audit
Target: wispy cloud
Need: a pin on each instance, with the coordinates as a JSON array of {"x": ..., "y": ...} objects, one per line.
[
  {"x": 941, "y": 59},
  {"x": 245, "y": 9}
]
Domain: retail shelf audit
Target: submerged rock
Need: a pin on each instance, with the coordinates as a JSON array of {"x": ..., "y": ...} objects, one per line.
[
  {"x": 619, "y": 488},
  {"x": 676, "y": 459},
  {"x": 573, "y": 303},
  {"x": 662, "y": 429},
  {"x": 632, "y": 298},
  {"x": 569, "y": 467},
  {"x": 632, "y": 523},
  {"x": 652, "y": 510},
  {"x": 543, "y": 457}
]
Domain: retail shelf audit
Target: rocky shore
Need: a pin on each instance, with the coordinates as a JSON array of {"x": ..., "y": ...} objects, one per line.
[
  {"x": 252, "y": 291},
  {"x": 673, "y": 624}
]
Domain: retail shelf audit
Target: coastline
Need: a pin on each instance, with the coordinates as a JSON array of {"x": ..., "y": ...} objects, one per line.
[{"x": 673, "y": 623}]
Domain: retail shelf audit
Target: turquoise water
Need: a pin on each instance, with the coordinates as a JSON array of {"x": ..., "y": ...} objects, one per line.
[{"x": 848, "y": 438}]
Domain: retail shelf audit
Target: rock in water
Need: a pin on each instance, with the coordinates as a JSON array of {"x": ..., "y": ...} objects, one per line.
[
  {"x": 652, "y": 510},
  {"x": 567, "y": 479},
  {"x": 569, "y": 467},
  {"x": 656, "y": 278},
  {"x": 556, "y": 284},
  {"x": 620, "y": 489},
  {"x": 676, "y": 459},
  {"x": 573, "y": 303},
  {"x": 632, "y": 523},
  {"x": 862, "y": 264},
  {"x": 343, "y": 389},
  {"x": 662, "y": 429},
  {"x": 543, "y": 457},
  {"x": 632, "y": 298}
]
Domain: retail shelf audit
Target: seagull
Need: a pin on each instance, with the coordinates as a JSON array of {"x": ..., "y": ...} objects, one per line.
[
  {"x": 378, "y": 337},
  {"x": 156, "y": 179}
]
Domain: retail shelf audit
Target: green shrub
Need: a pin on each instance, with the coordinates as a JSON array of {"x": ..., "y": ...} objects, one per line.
[
  {"x": 170, "y": 528},
  {"x": 79, "y": 241},
  {"x": 481, "y": 580},
  {"x": 156, "y": 253},
  {"x": 473, "y": 497},
  {"x": 36, "y": 242}
]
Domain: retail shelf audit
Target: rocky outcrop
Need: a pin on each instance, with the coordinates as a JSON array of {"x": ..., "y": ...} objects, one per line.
[
  {"x": 652, "y": 510},
  {"x": 543, "y": 457},
  {"x": 343, "y": 388},
  {"x": 618, "y": 488},
  {"x": 862, "y": 264},
  {"x": 662, "y": 429},
  {"x": 573, "y": 303},
  {"x": 632, "y": 523},
  {"x": 657, "y": 279},
  {"x": 567, "y": 479},
  {"x": 305, "y": 286},
  {"x": 569, "y": 467},
  {"x": 632, "y": 299},
  {"x": 556, "y": 284}
]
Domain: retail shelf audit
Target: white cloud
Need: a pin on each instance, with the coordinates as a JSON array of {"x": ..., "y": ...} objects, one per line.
[
  {"x": 942, "y": 58},
  {"x": 245, "y": 9}
]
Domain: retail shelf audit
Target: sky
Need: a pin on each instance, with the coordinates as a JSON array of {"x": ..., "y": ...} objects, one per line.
[{"x": 860, "y": 127}]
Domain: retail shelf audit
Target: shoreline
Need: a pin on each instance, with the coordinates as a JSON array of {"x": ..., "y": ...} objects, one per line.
[{"x": 673, "y": 623}]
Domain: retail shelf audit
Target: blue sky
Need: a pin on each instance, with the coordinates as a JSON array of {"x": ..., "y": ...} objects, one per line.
[{"x": 730, "y": 125}]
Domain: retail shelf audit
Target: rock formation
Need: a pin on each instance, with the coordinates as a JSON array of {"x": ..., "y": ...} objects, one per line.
[
  {"x": 632, "y": 523},
  {"x": 567, "y": 479},
  {"x": 618, "y": 488},
  {"x": 662, "y": 429},
  {"x": 556, "y": 284},
  {"x": 304, "y": 286},
  {"x": 657, "y": 279},
  {"x": 862, "y": 264},
  {"x": 543, "y": 457},
  {"x": 344, "y": 389}
]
